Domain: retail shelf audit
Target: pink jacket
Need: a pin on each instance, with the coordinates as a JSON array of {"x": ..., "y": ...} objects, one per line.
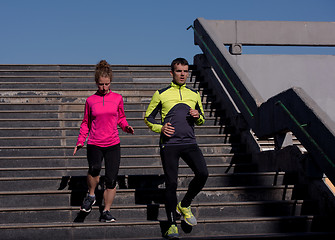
[{"x": 101, "y": 117}]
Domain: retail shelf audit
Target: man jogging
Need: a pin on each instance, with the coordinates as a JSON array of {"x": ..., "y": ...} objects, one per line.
[{"x": 180, "y": 108}]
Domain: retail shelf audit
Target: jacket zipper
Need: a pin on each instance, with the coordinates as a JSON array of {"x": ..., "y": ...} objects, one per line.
[{"x": 181, "y": 97}]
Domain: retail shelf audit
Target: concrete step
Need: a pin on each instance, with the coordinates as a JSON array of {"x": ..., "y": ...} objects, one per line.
[
  {"x": 153, "y": 84},
  {"x": 69, "y": 93},
  {"x": 75, "y": 197},
  {"x": 62, "y": 106},
  {"x": 76, "y": 99},
  {"x": 89, "y": 74},
  {"x": 83, "y": 71},
  {"x": 126, "y": 160},
  {"x": 70, "y": 122},
  {"x": 134, "y": 229},
  {"x": 224, "y": 210},
  {"x": 129, "y": 170},
  {"x": 78, "y": 96},
  {"x": 83, "y": 84},
  {"x": 67, "y": 150},
  {"x": 43, "y": 182},
  {"x": 125, "y": 139},
  {"x": 76, "y": 67},
  {"x": 23, "y": 108},
  {"x": 78, "y": 112},
  {"x": 73, "y": 131}
]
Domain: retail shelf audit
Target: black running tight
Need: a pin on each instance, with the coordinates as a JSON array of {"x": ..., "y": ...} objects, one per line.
[
  {"x": 111, "y": 155},
  {"x": 193, "y": 157}
]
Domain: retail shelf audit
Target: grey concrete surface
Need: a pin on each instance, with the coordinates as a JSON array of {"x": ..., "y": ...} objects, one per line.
[
  {"x": 286, "y": 107},
  {"x": 272, "y": 33},
  {"x": 272, "y": 74}
]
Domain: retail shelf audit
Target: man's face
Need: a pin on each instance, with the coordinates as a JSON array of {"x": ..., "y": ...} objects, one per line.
[{"x": 179, "y": 74}]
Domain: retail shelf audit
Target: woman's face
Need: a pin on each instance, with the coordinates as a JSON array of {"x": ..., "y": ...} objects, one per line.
[{"x": 103, "y": 85}]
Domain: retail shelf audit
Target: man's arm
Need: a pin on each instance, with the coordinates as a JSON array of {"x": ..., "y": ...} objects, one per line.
[
  {"x": 198, "y": 106},
  {"x": 152, "y": 110}
]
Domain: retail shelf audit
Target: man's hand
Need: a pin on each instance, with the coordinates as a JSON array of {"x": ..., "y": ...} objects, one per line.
[
  {"x": 76, "y": 148},
  {"x": 168, "y": 130},
  {"x": 194, "y": 113},
  {"x": 129, "y": 129}
]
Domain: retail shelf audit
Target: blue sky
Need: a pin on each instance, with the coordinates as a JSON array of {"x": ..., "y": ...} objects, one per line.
[{"x": 129, "y": 31}]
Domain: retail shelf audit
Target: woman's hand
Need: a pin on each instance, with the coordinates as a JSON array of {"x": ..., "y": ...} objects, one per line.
[
  {"x": 76, "y": 148},
  {"x": 129, "y": 129}
]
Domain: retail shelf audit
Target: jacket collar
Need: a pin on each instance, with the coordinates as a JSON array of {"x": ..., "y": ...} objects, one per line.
[
  {"x": 99, "y": 94},
  {"x": 177, "y": 86}
]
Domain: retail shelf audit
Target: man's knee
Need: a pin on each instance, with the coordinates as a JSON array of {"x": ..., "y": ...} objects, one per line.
[
  {"x": 203, "y": 175},
  {"x": 171, "y": 186}
]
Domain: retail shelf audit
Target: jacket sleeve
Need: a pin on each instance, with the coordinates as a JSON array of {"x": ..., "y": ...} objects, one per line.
[
  {"x": 122, "y": 122},
  {"x": 201, "y": 119},
  {"x": 154, "y": 107},
  {"x": 85, "y": 126}
]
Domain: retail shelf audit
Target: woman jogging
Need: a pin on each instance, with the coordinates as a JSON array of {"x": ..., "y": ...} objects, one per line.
[{"x": 103, "y": 113}]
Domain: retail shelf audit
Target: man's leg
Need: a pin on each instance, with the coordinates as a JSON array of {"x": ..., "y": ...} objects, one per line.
[
  {"x": 170, "y": 162},
  {"x": 193, "y": 157}
]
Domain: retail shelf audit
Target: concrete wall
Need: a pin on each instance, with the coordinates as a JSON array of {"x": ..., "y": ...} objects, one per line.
[
  {"x": 272, "y": 74},
  {"x": 251, "y": 79}
]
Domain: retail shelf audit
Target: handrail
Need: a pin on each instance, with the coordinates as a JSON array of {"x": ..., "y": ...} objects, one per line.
[
  {"x": 224, "y": 73},
  {"x": 268, "y": 119},
  {"x": 301, "y": 126}
]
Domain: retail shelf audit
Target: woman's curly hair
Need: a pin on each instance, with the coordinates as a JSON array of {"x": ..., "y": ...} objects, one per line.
[{"x": 103, "y": 69}]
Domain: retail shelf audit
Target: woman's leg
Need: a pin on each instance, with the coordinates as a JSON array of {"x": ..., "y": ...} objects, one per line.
[
  {"x": 94, "y": 158},
  {"x": 92, "y": 183},
  {"x": 112, "y": 163},
  {"x": 109, "y": 195}
]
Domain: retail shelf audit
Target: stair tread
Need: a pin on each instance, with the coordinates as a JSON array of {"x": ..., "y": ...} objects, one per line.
[
  {"x": 137, "y": 206},
  {"x": 121, "y": 167},
  {"x": 123, "y": 156},
  {"x": 141, "y": 222},
  {"x": 132, "y": 190},
  {"x": 181, "y": 175},
  {"x": 121, "y": 136},
  {"x": 122, "y": 146}
]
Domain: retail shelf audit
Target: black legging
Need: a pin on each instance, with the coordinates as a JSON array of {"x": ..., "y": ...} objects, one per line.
[
  {"x": 193, "y": 157},
  {"x": 111, "y": 155}
]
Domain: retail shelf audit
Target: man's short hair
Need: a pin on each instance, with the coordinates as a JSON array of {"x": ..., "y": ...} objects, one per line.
[{"x": 177, "y": 61}]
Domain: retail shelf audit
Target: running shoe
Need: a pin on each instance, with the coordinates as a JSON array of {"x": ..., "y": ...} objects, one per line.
[
  {"x": 106, "y": 216},
  {"x": 172, "y": 233},
  {"x": 87, "y": 204},
  {"x": 187, "y": 214}
]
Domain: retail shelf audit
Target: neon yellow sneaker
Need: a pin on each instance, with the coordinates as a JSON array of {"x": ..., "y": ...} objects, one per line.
[
  {"x": 172, "y": 232},
  {"x": 187, "y": 214}
]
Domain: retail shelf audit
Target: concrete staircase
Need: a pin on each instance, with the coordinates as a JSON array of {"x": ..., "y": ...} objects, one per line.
[{"x": 42, "y": 185}]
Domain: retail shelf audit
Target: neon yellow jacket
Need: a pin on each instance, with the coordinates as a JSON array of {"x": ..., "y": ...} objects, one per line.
[{"x": 173, "y": 103}]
